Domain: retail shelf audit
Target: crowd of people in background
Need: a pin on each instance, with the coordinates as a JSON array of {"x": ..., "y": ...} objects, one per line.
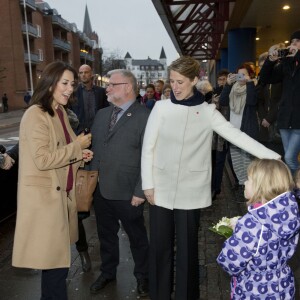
[{"x": 175, "y": 141}]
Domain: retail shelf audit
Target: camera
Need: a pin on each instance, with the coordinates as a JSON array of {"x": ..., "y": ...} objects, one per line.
[
  {"x": 240, "y": 77},
  {"x": 283, "y": 52}
]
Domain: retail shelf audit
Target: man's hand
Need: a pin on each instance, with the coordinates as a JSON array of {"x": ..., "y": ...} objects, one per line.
[
  {"x": 150, "y": 196},
  {"x": 136, "y": 201}
]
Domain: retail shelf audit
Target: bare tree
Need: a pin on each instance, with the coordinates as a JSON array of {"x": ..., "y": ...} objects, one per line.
[{"x": 113, "y": 61}]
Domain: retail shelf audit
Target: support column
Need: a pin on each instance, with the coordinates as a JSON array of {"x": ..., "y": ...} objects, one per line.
[
  {"x": 224, "y": 59},
  {"x": 241, "y": 47}
]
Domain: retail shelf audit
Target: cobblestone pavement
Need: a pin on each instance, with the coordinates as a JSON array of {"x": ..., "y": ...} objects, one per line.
[{"x": 214, "y": 283}]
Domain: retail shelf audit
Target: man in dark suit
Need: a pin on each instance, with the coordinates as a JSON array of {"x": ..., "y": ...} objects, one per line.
[
  {"x": 118, "y": 133},
  {"x": 90, "y": 98}
]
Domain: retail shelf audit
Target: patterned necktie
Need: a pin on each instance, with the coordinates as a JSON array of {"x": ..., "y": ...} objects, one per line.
[{"x": 113, "y": 118}]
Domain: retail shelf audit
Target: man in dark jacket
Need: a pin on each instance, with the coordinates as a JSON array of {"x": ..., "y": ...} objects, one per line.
[
  {"x": 90, "y": 98},
  {"x": 287, "y": 71},
  {"x": 118, "y": 133}
]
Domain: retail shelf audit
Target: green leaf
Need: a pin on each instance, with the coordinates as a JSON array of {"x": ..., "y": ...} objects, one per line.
[{"x": 223, "y": 231}]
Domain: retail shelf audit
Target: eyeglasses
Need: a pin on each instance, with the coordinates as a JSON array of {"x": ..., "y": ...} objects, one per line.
[{"x": 114, "y": 84}]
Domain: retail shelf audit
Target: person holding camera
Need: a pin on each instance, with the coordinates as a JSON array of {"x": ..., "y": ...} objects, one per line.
[
  {"x": 239, "y": 94},
  {"x": 282, "y": 65}
]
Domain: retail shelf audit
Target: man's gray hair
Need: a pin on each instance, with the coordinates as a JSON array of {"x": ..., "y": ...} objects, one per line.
[{"x": 126, "y": 74}]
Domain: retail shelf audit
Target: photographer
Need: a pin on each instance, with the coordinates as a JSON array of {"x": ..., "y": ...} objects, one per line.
[
  {"x": 239, "y": 94},
  {"x": 283, "y": 66}
]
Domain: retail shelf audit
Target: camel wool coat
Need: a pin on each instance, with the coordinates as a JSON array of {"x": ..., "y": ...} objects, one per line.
[{"x": 46, "y": 217}]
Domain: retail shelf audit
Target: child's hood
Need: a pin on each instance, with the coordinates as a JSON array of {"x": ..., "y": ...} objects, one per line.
[{"x": 280, "y": 215}]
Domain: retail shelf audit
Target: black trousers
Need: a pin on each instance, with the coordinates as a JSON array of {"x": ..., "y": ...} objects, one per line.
[
  {"x": 108, "y": 214},
  {"x": 166, "y": 227},
  {"x": 54, "y": 284}
]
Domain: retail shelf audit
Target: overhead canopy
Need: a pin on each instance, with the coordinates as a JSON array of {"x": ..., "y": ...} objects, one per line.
[
  {"x": 199, "y": 28},
  {"x": 196, "y": 27}
]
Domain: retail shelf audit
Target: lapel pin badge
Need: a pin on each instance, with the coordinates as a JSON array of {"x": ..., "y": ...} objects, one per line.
[{"x": 129, "y": 115}]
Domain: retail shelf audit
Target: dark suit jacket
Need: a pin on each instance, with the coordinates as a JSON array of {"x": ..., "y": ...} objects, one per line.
[
  {"x": 117, "y": 155},
  {"x": 78, "y": 107}
]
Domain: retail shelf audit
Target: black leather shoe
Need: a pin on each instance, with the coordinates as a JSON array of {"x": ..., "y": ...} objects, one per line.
[
  {"x": 85, "y": 261},
  {"x": 100, "y": 284},
  {"x": 143, "y": 287}
]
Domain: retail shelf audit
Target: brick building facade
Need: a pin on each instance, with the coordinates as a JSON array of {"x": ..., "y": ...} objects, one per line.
[{"x": 33, "y": 25}]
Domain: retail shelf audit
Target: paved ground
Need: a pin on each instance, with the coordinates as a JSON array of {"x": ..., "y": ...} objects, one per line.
[{"x": 214, "y": 283}]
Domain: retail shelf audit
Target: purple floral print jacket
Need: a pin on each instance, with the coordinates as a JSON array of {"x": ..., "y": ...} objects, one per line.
[{"x": 256, "y": 254}]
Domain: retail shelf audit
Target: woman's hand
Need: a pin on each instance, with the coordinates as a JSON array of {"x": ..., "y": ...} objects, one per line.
[
  {"x": 273, "y": 53},
  {"x": 87, "y": 155},
  {"x": 84, "y": 140},
  {"x": 150, "y": 196},
  {"x": 231, "y": 78}
]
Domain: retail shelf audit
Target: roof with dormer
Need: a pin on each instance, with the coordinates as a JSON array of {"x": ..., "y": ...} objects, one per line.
[{"x": 146, "y": 62}]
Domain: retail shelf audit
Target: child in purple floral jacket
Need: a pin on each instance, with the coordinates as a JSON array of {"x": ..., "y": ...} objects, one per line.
[{"x": 264, "y": 239}]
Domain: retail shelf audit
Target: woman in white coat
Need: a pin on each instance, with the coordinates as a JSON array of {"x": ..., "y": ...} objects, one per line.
[
  {"x": 176, "y": 178},
  {"x": 49, "y": 156}
]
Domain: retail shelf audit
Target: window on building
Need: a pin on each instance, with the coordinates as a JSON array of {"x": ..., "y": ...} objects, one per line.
[
  {"x": 41, "y": 54},
  {"x": 39, "y": 30}
]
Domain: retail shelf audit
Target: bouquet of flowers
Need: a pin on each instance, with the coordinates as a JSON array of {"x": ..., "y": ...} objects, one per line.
[{"x": 225, "y": 226}]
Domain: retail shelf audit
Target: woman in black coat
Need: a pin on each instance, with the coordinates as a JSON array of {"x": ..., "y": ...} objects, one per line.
[{"x": 287, "y": 71}]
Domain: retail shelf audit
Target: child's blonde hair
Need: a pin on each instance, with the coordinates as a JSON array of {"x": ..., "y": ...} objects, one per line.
[{"x": 270, "y": 178}]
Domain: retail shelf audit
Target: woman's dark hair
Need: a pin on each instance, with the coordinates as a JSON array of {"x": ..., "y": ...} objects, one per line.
[
  {"x": 247, "y": 66},
  {"x": 43, "y": 94},
  {"x": 151, "y": 86}
]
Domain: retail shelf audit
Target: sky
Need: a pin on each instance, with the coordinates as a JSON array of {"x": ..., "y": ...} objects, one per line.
[{"x": 122, "y": 26}]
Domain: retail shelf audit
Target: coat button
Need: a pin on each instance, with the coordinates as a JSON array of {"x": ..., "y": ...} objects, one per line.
[{"x": 58, "y": 188}]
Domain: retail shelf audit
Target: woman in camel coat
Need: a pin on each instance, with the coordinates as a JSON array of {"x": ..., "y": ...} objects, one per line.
[{"x": 49, "y": 156}]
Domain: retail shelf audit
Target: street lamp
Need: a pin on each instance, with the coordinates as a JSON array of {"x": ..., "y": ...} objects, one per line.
[
  {"x": 86, "y": 52},
  {"x": 28, "y": 47},
  {"x": 101, "y": 53}
]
